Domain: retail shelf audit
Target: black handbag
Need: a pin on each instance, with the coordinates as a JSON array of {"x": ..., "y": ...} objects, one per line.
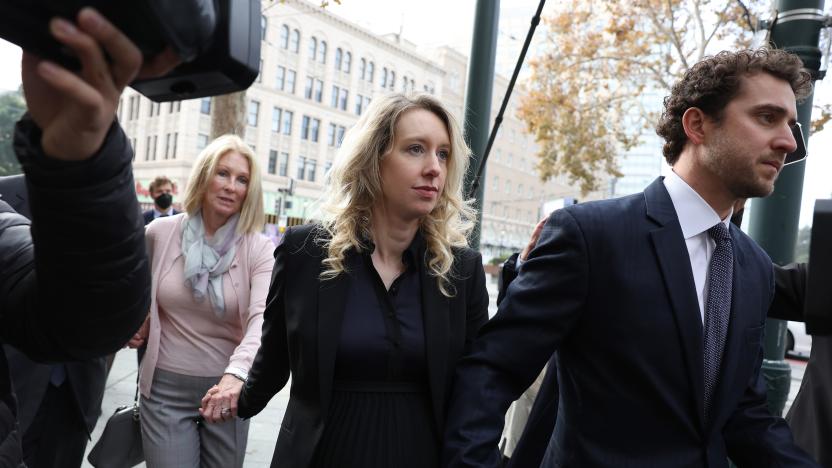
[{"x": 120, "y": 445}]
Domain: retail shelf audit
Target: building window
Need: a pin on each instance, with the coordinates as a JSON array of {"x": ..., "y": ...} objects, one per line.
[
  {"x": 384, "y": 77},
  {"x": 310, "y": 169},
  {"x": 263, "y": 24},
  {"x": 362, "y": 69},
  {"x": 287, "y": 122},
  {"x": 253, "y": 110},
  {"x": 201, "y": 141},
  {"x": 319, "y": 90},
  {"x": 392, "y": 84},
  {"x": 330, "y": 134},
  {"x": 301, "y": 168},
  {"x": 371, "y": 71},
  {"x": 272, "y": 161},
  {"x": 283, "y": 166},
  {"x": 307, "y": 91},
  {"x": 205, "y": 106},
  {"x": 496, "y": 183},
  {"x": 341, "y": 131},
  {"x": 168, "y": 145},
  {"x": 276, "y": 115},
  {"x": 175, "y": 141},
  {"x": 404, "y": 84},
  {"x": 304, "y": 127},
  {"x": 344, "y": 95},
  {"x": 284, "y": 36},
  {"x": 347, "y": 62},
  {"x": 147, "y": 150},
  {"x": 322, "y": 52},
  {"x": 335, "y": 92},
  {"x": 280, "y": 78},
  {"x": 291, "y": 75},
  {"x": 294, "y": 41},
  {"x": 313, "y": 47},
  {"x": 153, "y": 151},
  {"x": 316, "y": 125},
  {"x": 339, "y": 55},
  {"x": 359, "y": 104}
]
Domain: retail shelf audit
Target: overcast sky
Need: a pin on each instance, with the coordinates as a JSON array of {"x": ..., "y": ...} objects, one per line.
[{"x": 432, "y": 23}]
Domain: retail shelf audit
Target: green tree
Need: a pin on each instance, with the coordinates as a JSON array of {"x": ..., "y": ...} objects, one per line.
[{"x": 12, "y": 106}]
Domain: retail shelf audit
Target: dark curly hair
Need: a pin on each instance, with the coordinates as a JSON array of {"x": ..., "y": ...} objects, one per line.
[{"x": 714, "y": 81}]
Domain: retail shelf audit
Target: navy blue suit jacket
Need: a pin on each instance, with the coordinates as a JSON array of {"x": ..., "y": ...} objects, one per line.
[{"x": 609, "y": 286}]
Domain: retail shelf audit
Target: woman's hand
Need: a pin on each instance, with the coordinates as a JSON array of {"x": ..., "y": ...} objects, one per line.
[
  {"x": 533, "y": 240},
  {"x": 140, "y": 337},
  {"x": 220, "y": 402}
]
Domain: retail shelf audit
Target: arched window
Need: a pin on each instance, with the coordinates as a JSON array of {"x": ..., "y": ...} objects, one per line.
[
  {"x": 404, "y": 84},
  {"x": 284, "y": 36},
  {"x": 263, "y": 23},
  {"x": 294, "y": 43},
  {"x": 392, "y": 83},
  {"x": 339, "y": 54},
  {"x": 313, "y": 47},
  {"x": 347, "y": 62},
  {"x": 362, "y": 69},
  {"x": 322, "y": 52},
  {"x": 371, "y": 71},
  {"x": 384, "y": 77}
]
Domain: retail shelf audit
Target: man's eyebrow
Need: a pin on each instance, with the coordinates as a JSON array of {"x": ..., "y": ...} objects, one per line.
[{"x": 774, "y": 109}]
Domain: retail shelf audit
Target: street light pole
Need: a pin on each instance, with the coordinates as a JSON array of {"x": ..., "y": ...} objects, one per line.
[
  {"x": 774, "y": 219},
  {"x": 478, "y": 99}
]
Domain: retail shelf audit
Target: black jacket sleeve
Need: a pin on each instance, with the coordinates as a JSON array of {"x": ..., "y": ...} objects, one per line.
[
  {"x": 78, "y": 286},
  {"x": 508, "y": 271},
  {"x": 790, "y": 283}
]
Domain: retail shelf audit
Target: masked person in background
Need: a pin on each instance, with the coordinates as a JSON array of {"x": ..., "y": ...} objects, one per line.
[{"x": 161, "y": 191}]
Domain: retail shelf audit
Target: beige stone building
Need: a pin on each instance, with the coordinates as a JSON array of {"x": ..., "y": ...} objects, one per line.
[{"x": 318, "y": 73}]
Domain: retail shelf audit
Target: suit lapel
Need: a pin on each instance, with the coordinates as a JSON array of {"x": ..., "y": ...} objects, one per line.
[
  {"x": 674, "y": 262},
  {"x": 436, "y": 316},
  {"x": 332, "y": 297}
]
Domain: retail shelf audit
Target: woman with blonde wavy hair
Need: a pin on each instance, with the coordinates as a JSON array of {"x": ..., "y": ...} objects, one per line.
[
  {"x": 370, "y": 310},
  {"x": 210, "y": 269}
]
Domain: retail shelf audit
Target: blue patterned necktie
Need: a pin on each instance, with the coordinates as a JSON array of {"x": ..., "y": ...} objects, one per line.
[{"x": 717, "y": 308}]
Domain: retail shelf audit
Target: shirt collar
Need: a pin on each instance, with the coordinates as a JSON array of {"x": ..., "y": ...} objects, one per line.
[
  {"x": 157, "y": 213},
  {"x": 410, "y": 254},
  {"x": 694, "y": 213}
]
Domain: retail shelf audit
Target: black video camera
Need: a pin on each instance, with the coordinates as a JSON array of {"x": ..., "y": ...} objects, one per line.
[{"x": 218, "y": 40}]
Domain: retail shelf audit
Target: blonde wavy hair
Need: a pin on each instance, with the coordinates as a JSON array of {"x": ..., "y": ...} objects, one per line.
[
  {"x": 355, "y": 184},
  {"x": 252, "y": 214}
]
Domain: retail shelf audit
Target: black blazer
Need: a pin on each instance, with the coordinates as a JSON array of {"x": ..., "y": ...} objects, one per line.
[
  {"x": 609, "y": 287},
  {"x": 29, "y": 378},
  {"x": 302, "y": 325}
]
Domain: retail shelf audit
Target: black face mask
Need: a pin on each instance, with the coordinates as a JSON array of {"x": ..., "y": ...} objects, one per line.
[{"x": 164, "y": 201}]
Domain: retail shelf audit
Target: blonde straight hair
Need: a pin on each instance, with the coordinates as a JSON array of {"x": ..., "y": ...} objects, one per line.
[
  {"x": 355, "y": 184},
  {"x": 252, "y": 214}
]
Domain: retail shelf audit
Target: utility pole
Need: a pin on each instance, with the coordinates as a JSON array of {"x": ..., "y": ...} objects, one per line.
[
  {"x": 478, "y": 99},
  {"x": 774, "y": 219}
]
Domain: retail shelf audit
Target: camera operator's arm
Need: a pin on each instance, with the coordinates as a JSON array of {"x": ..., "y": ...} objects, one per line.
[
  {"x": 84, "y": 288},
  {"x": 789, "y": 292}
]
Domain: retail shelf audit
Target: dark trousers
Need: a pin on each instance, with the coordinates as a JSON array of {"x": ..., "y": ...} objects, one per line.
[{"x": 57, "y": 436}]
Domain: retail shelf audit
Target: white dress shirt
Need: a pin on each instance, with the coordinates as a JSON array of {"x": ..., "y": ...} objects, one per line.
[{"x": 695, "y": 216}]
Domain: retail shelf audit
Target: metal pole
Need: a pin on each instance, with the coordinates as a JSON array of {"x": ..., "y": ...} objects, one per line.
[
  {"x": 478, "y": 98},
  {"x": 774, "y": 219}
]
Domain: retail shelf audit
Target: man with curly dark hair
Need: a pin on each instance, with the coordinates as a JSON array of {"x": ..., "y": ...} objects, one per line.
[{"x": 655, "y": 304}]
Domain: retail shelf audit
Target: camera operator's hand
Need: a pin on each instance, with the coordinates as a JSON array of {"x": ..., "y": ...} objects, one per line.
[{"x": 75, "y": 111}]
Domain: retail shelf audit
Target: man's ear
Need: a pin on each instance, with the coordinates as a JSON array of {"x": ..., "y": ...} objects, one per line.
[{"x": 694, "y": 122}]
